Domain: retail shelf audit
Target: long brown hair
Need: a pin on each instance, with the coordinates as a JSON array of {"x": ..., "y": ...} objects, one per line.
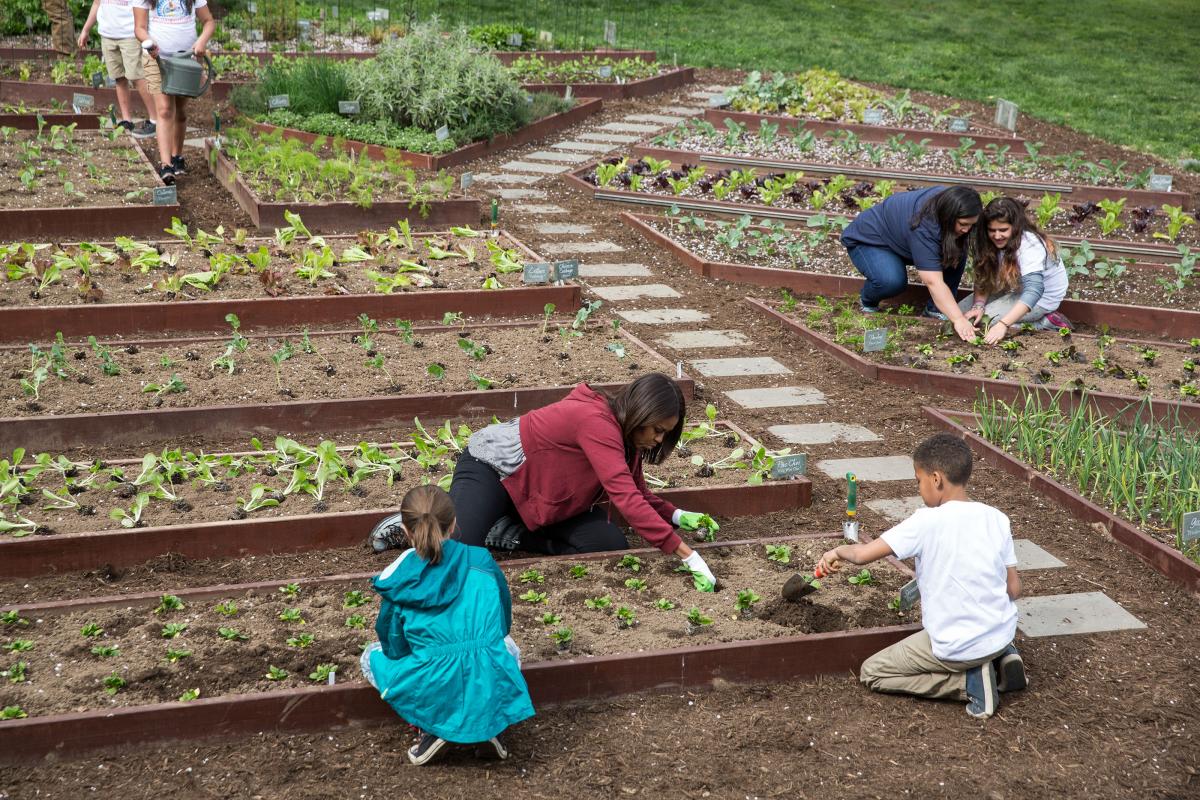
[
  {"x": 946, "y": 208},
  {"x": 998, "y": 271},
  {"x": 650, "y": 399},
  {"x": 428, "y": 516}
]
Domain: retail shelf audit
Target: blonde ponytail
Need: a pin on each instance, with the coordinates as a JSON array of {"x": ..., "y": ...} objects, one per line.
[{"x": 428, "y": 515}]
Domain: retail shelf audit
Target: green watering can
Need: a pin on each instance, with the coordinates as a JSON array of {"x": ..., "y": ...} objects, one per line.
[{"x": 184, "y": 76}]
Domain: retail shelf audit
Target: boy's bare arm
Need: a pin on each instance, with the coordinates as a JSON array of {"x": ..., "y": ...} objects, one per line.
[
  {"x": 854, "y": 553},
  {"x": 1014, "y": 583}
]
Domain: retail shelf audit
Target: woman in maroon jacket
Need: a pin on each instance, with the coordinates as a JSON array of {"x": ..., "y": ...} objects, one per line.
[{"x": 535, "y": 482}]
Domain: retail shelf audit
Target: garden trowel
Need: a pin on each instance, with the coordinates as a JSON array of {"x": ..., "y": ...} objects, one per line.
[{"x": 801, "y": 585}]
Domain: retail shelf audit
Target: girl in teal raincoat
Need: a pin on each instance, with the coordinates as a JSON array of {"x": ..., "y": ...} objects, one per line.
[{"x": 444, "y": 660}]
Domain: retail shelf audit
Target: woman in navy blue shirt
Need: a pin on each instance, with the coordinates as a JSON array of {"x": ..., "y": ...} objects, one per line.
[{"x": 927, "y": 228}]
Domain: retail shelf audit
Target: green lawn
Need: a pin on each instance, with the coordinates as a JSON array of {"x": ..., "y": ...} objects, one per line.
[{"x": 1123, "y": 70}]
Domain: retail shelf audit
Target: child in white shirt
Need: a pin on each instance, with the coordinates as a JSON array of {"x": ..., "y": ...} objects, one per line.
[
  {"x": 967, "y": 574},
  {"x": 122, "y": 58}
]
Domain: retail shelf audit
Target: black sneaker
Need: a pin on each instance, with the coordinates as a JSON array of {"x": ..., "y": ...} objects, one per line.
[
  {"x": 492, "y": 748},
  {"x": 427, "y": 748},
  {"x": 167, "y": 174},
  {"x": 178, "y": 165},
  {"x": 1010, "y": 671},
  {"x": 982, "y": 697},
  {"x": 126, "y": 124},
  {"x": 145, "y": 130},
  {"x": 387, "y": 534}
]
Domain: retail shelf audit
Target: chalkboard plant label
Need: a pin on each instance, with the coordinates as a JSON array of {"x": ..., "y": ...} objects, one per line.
[
  {"x": 278, "y": 101},
  {"x": 348, "y": 107},
  {"x": 165, "y": 196},
  {"x": 537, "y": 272},
  {"x": 875, "y": 340}
]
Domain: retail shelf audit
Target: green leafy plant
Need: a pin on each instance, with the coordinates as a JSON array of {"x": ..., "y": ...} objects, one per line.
[
  {"x": 113, "y": 683},
  {"x": 291, "y": 615},
  {"x": 533, "y": 597},
  {"x": 354, "y": 599},
  {"x": 301, "y": 641},
  {"x": 173, "y": 629},
  {"x": 578, "y": 571},
  {"x": 598, "y": 603},
  {"x": 228, "y": 608},
  {"x": 168, "y": 602},
  {"x": 175, "y": 656},
  {"x": 189, "y": 695},
  {"x": 746, "y": 598},
  {"x": 626, "y": 618},
  {"x": 663, "y": 604},
  {"x": 696, "y": 619},
  {"x": 232, "y": 635},
  {"x": 551, "y": 619},
  {"x": 356, "y": 621},
  {"x": 637, "y": 584},
  {"x": 323, "y": 673},
  {"x": 532, "y": 576},
  {"x": 91, "y": 629},
  {"x": 105, "y": 651},
  {"x": 290, "y": 590},
  {"x": 563, "y": 637},
  {"x": 276, "y": 674},
  {"x": 630, "y": 562}
]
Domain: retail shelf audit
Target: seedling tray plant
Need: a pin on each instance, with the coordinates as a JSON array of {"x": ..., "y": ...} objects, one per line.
[
  {"x": 54, "y": 171},
  {"x": 912, "y": 349},
  {"x": 268, "y": 174},
  {"x": 427, "y": 153},
  {"x": 194, "y": 279}
]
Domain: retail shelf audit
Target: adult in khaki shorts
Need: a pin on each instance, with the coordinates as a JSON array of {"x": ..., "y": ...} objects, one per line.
[{"x": 122, "y": 58}]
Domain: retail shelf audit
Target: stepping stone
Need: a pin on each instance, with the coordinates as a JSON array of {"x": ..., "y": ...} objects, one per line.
[
  {"x": 522, "y": 194},
  {"x": 878, "y": 468},
  {"x": 590, "y": 147},
  {"x": 539, "y": 208},
  {"x": 193, "y": 143},
  {"x": 629, "y": 127},
  {"x": 582, "y": 247},
  {"x": 823, "y": 433},
  {"x": 505, "y": 177},
  {"x": 1030, "y": 556},
  {"x": 896, "y": 510},
  {"x": 614, "y": 271},
  {"x": 605, "y": 136},
  {"x": 777, "y": 397},
  {"x": 663, "y": 316},
  {"x": 689, "y": 340},
  {"x": 1084, "y": 612},
  {"x": 562, "y": 158},
  {"x": 532, "y": 166},
  {"x": 664, "y": 119},
  {"x": 732, "y": 367},
  {"x": 613, "y": 293},
  {"x": 685, "y": 110},
  {"x": 552, "y": 228}
]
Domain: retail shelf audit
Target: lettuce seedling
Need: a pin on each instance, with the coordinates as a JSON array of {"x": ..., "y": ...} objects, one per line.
[
  {"x": 13, "y": 618},
  {"x": 533, "y": 597},
  {"x": 91, "y": 629},
  {"x": 598, "y": 603},
  {"x": 16, "y": 673},
  {"x": 354, "y": 599},
  {"x": 626, "y": 617},
  {"x": 563, "y": 637},
  {"x": 174, "y": 386},
  {"x": 637, "y": 584},
  {"x": 356, "y": 621},
  {"x": 894, "y": 603},
  {"x": 233, "y": 635},
  {"x": 551, "y": 619},
  {"x": 746, "y": 598},
  {"x": 291, "y": 591},
  {"x": 697, "y": 619},
  {"x": 663, "y": 604},
  {"x": 532, "y": 576},
  {"x": 175, "y": 656},
  {"x": 632, "y": 563},
  {"x": 301, "y": 641},
  {"x": 577, "y": 571},
  {"x": 12, "y": 712},
  {"x": 779, "y": 553},
  {"x": 105, "y": 651},
  {"x": 173, "y": 629},
  {"x": 322, "y": 673},
  {"x": 291, "y": 615},
  {"x": 19, "y": 645},
  {"x": 168, "y": 602},
  {"x": 276, "y": 674},
  {"x": 189, "y": 695},
  {"x": 229, "y": 608},
  {"x": 863, "y": 578},
  {"x": 114, "y": 683}
]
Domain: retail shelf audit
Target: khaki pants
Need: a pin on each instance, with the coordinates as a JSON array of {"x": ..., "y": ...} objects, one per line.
[
  {"x": 910, "y": 667},
  {"x": 62, "y": 25}
]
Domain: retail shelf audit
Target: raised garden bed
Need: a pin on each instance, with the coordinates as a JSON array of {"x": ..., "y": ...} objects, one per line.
[
  {"x": 333, "y": 406},
  {"x": 287, "y": 281},
  {"x": 668, "y": 79},
  {"x": 51, "y": 176},
  {"x": 547, "y": 126},
  {"x": 828, "y": 271},
  {"x": 28, "y": 120},
  {"x": 242, "y": 699},
  {"x": 1149, "y": 546},
  {"x": 1008, "y": 176},
  {"x": 1123, "y": 406},
  {"x": 267, "y": 203}
]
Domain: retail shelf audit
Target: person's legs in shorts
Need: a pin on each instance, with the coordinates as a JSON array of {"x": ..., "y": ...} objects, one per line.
[{"x": 117, "y": 66}]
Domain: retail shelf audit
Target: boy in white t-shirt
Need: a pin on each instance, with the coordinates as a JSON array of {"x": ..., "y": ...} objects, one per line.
[
  {"x": 967, "y": 573},
  {"x": 122, "y": 58}
]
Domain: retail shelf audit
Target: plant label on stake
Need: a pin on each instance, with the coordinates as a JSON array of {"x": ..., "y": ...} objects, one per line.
[
  {"x": 909, "y": 595},
  {"x": 1189, "y": 528},
  {"x": 333, "y": 12},
  {"x": 254, "y": 35},
  {"x": 465, "y": 180},
  {"x": 515, "y": 40},
  {"x": 303, "y": 25},
  {"x": 568, "y": 93},
  {"x": 537, "y": 272},
  {"x": 610, "y": 32},
  {"x": 873, "y": 116},
  {"x": 546, "y": 38},
  {"x": 442, "y": 133},
  {"x": 789, "y": 466},
  {"x": 82, "y": 102},
  {"x": 875, "y": 340},
  {"x": 166, "y": 196},
  {"x": 604, "y": 72},
  {"x": 1160, "y": 183},
  {"x": 278, "y": 101},
  {"x": 252, "y": 7},
  {"x": 959, "y": 125},
  {"x": 97, "y": 79},
  {"x": 1006, "y": 115},
  {"x": 348, "y": 107},
  {"x": 566, "y": 270}
]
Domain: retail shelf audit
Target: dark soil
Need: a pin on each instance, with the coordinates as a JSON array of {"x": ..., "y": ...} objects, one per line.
[{"x": 83, "y": 169}]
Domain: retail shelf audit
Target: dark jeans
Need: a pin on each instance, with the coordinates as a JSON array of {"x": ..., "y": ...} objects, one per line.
[
  {"x": 887, "y": 275},
  {"x": 480, "y": 500}
]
